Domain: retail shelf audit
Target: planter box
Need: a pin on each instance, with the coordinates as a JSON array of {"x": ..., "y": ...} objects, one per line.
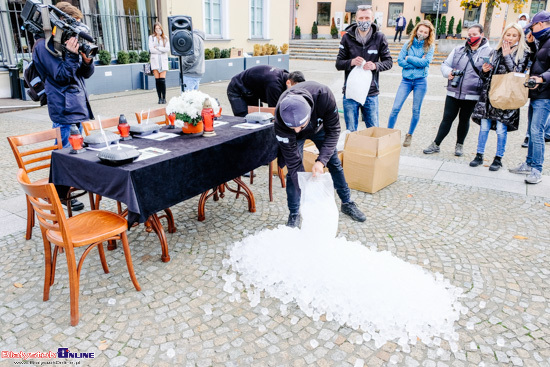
[
  {"x": 280, "y": 60},
  {"x": 222, "y": 69},
  {"x": 250, "y": 62},
  {"x": 115, "y": 78},
  {"x": 172, "y": 80}
]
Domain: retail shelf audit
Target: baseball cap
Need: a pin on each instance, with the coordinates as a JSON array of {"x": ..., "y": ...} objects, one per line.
[
  {"x": 294, "y": 110},
  {"x": 541, "y": 16}
]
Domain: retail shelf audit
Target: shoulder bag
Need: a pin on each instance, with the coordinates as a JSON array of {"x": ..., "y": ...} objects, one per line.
[{"x": 507, "y": 91}]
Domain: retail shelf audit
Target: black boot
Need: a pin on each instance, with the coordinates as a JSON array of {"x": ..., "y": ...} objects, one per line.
[
  {"x": 163, "y": 89},
  {"x": 496, "y": 165},
  {"x": 159, "y": 91},
  {"x": 478, "y": 160},
  {"x": 293, "y": 220}
]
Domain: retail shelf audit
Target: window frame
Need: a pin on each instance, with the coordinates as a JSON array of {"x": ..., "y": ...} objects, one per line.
[
  {"x": 325, "y": 3},
  {"x": 392, "y": 20}
]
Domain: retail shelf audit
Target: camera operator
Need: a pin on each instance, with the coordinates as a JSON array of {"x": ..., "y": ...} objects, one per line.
[
  {"x": 64, "y": 84},
  {"x": 463, "y": 69},
  {"x": 539, "y": 94}
]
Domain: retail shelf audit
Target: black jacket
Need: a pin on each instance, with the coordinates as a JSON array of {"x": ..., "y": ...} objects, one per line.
[
  {"x": 541, "y": 67},
  {"x": 263, "y": 82},
  {"x": 483, "y": 109},
  {"x": 376, "y": 50},
  {"x": 324, "y": 115}
]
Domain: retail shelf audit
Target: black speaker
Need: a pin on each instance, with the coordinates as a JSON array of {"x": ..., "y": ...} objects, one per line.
[{"x": 181, "y": 35}]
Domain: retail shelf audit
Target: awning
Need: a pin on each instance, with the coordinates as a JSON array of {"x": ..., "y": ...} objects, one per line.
[{"x": 351, "y": 5}]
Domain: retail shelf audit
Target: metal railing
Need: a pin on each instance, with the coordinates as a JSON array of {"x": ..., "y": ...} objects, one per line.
[{"x": 112, "y": 32}]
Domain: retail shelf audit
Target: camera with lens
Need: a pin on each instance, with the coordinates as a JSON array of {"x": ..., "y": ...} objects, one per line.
[
  {"x": 530, "y": 83},
  {"x": 457, "y": 76},
  {"x": 40, "y": 19}
]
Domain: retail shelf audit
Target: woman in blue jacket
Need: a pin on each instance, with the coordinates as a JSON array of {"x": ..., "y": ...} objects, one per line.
[{"x": 415, "y": 58}]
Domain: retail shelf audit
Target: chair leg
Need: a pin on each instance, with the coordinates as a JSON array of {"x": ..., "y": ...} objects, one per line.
[
  {"x": 30, "y": 219},
  {"x": 102, "y": 258},
  {"x": 251, "y": 177},
  {"x": 270, "y": 180},
  {"x": 92, "y": 201},
  {"x": 281, "y": 176},
  {"x": 74, "y": 285},
  {"x": 128, "y": 256},
  {"x": 56, "y": 250},
  {"x": 69, "y": 206},
  {"x": 48, "y": 265}
]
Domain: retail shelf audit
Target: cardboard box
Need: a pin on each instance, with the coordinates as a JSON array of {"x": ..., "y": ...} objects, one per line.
[
  {"x": 236, "y": 52},
  {"x": 372, "y": 158},
  {"x": 311, "y": 153},
  {"x": 271, "y": 110}
]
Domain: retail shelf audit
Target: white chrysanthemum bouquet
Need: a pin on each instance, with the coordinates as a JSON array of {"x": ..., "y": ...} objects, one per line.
[{"x": 188, "y": 106}]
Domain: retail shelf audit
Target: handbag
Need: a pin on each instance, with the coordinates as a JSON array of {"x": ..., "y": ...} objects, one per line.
[
  {"x": 507, "y": 92},
  {"x": 147, "y": 69}
]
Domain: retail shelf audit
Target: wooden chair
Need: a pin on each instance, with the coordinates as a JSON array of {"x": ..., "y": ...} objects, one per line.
[
  {"x": 89, "y": 229},
  {"x": 32, "y": 153},
  {"x": 157, "y": 116},
  {"x": 92, "y": 125}
]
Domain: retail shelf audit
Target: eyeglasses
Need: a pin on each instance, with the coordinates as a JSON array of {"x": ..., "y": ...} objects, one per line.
[{"x": 364, "y": 7}]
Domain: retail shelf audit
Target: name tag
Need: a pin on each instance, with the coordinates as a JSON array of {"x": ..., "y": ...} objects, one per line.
[{"x": 372, "y": 51}]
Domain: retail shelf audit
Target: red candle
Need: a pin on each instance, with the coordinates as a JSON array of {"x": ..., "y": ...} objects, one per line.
[{"x": 76, "y": 140}]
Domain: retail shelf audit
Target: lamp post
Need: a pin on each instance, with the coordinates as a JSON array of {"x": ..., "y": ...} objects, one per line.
[{"x": 437, "y": 17}]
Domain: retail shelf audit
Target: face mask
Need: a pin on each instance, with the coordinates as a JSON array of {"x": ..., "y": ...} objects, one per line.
[
  {"x": 539, "y": 34},
  {"x": 158, "y": 31},
  {"x": 363, "y": 26},
  {"x": 522, "y": 23},
  {"x": 472, "y": 41},
  {"x": 421, "y": 37}
]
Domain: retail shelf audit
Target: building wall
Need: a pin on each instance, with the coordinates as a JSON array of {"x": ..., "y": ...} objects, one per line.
[
  {"x": 307, "y": 14},
  {"x": 236, "y": 21}
]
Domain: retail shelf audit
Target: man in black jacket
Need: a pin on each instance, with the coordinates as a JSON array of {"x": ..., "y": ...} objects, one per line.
[
  {"x": 539, "y": 105},
  {"x": 364, "y": 46},
  {"x": 263, "y": 82},
  {"x": 308, "y": 111}
]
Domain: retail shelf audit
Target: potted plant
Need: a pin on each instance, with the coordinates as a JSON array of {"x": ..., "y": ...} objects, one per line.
[
  {"x": 451, "y": 27},
  {"x": 314, "y": 31},
  {"x": 333, "y": 30},
  {"x": 410, "y": 27},
  {"x": 443, "y": 27},
  {"x": 297, "y": 33},
  {"x": 458, "y": 34},
  {"x": 417, "y": 20},
  {"x": 187, "y": 110}
]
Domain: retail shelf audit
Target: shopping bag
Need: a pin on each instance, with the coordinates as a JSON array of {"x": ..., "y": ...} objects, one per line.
[
  {"x": 358, "y": 84},
  {"x": 317, "y": 206},
  {"x": 507, "y": 91}
]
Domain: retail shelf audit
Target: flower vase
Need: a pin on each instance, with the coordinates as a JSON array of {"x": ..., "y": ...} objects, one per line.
[{"x": 191, "y": 129}]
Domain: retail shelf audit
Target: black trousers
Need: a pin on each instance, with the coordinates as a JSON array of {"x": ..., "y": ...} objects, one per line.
[
  {"x": 240, "y": 101},
  {"x": 453, "y": 107},
  {"x": 396, "y": 33}
]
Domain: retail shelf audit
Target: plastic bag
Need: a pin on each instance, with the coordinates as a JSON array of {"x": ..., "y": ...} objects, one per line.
[
  {"x": 317, "y": 205},
  {"x": 358, "y": 84}
]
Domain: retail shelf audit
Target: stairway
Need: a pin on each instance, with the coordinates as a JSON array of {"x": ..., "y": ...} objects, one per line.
[{"x": 327, "y": 50}]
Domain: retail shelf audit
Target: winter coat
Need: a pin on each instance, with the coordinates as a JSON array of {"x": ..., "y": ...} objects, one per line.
[
  {"x": 469, "y": 87},
  {"x": 397, "y": 27},
  {"x": 193, "y": 65},
  {"x": 324, "y": 115},
  {"x": 159, "y": 53},
  {"x": 376, "y": 50},
  {"x": 262, "y": 82},
  {"x": 483, "y": 109},
  {"x": 417, "y": 64},
  {"x": 64, "y": 84},
  {"x": 541, "y": 67}
]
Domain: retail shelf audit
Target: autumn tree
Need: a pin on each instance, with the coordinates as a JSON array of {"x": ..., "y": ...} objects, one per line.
[{"x": 469, "y": 4}]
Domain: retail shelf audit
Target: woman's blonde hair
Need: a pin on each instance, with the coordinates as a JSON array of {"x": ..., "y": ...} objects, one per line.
[
  {"x": 522, "y": 45},
  {"x": 430, "y": 40},
  {"x": 162, "y": 35}
]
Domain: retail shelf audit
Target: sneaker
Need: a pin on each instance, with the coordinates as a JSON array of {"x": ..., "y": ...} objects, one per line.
[
  {"x": 407, "y": 141},
  {"x": 525, "y": 143},
  {"x": 160, "y": 100},
  {"x": 75, "y": 205},
  {"x": 522, "y": 169},
  {"x": 433, "y": 148},
  {"x": 534, "y": 177},
  {"x": 478, "y": 160},
  {"x": 459, "y": 150},
  {"x": 496, "y": 165},
  {"x": 353, "y": 211},
  {"x": 293, "y": 220}
]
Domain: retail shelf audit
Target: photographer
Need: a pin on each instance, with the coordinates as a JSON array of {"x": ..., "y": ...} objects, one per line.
[
  {"x": 64, "y": 82},
  {"x": 539, "y": 94},
  {"x": 462, "y": 68}
]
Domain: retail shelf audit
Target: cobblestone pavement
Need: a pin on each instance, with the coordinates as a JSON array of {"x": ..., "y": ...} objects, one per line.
[{"x": 492, "y": 244}]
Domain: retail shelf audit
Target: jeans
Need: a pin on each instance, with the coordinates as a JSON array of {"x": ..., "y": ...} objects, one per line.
[
  {"x": 369, "y": 110},
  {"x": 502, "y": 134},
  {"x": 453, "y": 107},
  {"x": 65, "y": 132},
  {"x": 191, "y": 83},
  {"x": 539, "y": 113},
  {"x": 529, "y": 115},
  {"x": 334, "y": 166},
  {"x": 419, "y": 88}
]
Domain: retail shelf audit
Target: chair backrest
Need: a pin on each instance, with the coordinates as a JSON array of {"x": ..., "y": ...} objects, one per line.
[
  {"x": 32, "y": 151},
  {"x": 157, "y": 116},
  {"x": 46, "y": 204},
  {"x": 92, "y": 125}
]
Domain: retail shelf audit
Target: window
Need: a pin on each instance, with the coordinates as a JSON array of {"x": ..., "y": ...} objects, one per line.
[
  {"x": 212, "y": 18},
  {"x": 323, "y": 14},
  {"x": 256, "y": 18},
  {"x": 393, "y": 13},
  {"x": 536, "y": 6},
  {"x": 471, "y": 16}
]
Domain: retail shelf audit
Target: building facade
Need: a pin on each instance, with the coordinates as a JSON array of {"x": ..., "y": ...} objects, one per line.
[{"x": 386, "y": 11}]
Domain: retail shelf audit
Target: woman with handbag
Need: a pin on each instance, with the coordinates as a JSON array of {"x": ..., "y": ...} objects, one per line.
[
  {"x": 415, "y": 58},
  {"x": 510, "y": 56},
  {"x": 159, "y": 48}
]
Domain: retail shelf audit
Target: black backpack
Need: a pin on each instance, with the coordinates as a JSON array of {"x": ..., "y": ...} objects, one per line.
[{"x": 35, "y": 85}]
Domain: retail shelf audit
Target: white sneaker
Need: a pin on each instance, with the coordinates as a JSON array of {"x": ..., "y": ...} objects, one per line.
[
  {"x": 534, "y": 177},
  {"x": 522, "y": 169}
]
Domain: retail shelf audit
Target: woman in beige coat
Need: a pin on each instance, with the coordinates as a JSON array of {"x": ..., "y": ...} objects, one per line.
[{"x": 159, "y": 48}]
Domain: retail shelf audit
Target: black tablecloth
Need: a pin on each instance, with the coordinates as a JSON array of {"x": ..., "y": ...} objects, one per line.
[{"x": 194, "y": 165}]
